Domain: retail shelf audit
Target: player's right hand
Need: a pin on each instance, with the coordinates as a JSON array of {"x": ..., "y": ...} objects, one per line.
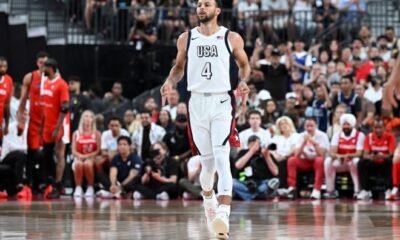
[{"x": 165, "y": 91}]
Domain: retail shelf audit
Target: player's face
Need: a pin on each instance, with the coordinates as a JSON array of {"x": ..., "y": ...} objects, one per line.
[
  {"x": 40, "y": 62},
  {"x": 254, "y": 120},
  {"x": 48, "y": 71},
  {"x": 207, "y": 10},
  {"x": 123, "y": 147},
  {"x": 3, "y": 68},
  {"x": 310, "y": 126}
]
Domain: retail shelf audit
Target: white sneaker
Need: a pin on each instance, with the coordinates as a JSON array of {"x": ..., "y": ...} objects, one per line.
[
  {"x": 364, "y": 195},
  {"x": 393, "y": 194},
  {"x": 117, "y": 195},
  {"x": 89, "y": 192},
  {"x": 210, "y": 209},
  {"x": 387, "y": 193},
  {"x": 316, "y": 194},
  {"x": 104, "y": 194},
  {"x": 220, "y": 225},
  {"x": 137, "y": 195},
  {"x": 78, "y": 192},
  {"x": 162, "y": 196},
  {"x": 186, "y": 196}
]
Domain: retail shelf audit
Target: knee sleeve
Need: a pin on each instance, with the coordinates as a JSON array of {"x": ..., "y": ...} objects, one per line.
[
  {"x": 221, "y": 155},
  {"x": 207, "y": 172}
]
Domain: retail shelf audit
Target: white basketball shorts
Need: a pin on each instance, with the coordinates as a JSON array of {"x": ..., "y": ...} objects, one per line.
[{"x": 210, "y": 120}]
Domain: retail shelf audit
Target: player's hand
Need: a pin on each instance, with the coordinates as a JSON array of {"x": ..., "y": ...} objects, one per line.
[
  {"x": 165, "y": 91},
  {"x": 243, "y": 91}
]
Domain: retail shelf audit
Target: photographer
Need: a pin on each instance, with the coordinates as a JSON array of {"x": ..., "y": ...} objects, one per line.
[
  {"x": 159, "y": 175},
  {"x": 257, "y": 171},
  {"x": 124, "y": 168}
]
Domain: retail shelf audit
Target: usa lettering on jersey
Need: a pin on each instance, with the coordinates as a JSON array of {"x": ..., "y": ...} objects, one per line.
[{"x": 207, "y": 51}]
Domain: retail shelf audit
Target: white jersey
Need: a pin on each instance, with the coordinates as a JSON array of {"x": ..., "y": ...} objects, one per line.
[{"x": 210, "y": 66}]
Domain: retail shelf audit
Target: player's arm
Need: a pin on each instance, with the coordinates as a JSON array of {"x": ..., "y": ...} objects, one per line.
[
  {"x": 64, "y": 110},
  {"x": 177, "y": 71},
  {"x": 240, "y": 55},
  {"x": 26, "y": 83}
]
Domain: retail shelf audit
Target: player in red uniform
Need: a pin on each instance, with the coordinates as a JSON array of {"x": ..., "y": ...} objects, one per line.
[
  {"x": 6, "y": 87},
  {"x": 31, "y": 87},
  {"x": 378, "y": 151},
  {"x": 85, "y": 147},
  {"x": 55, "y": 125}
]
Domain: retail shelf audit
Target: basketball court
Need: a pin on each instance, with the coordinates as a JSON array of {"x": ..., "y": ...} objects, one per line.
[{"x": 126, "y": 219}]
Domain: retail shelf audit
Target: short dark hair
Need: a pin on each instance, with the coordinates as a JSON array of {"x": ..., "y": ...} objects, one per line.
[
  {"x": 146, "y": 111},
  {"x": 51, "y": 62},
  {"x": 217, "y": 2},
  {"x": 3, "y": 59},
  {"x": 253, "y": 111},
  {"x": 348, "y": 76},
  {"x": 124, "y": 138},
  {"x": 41, "y": 54},
  {"x": 310, "y": 119},
  {"x": 114, "y": 118},
  {"x": 74, "y": 78},
  {"x": 253, "y": 138},
  {"x": 391, "y": 28}
]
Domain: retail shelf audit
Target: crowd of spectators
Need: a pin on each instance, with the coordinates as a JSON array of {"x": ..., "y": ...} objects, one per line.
[{"x": 161, "y": 21}]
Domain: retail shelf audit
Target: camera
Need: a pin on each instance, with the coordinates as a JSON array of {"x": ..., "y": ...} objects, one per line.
[
  {"x": 272, "y": 147},
  {"x": 152, "y": 164},
  {"x": 154, "y": 152},
  {"x": 251, "y": 185}
]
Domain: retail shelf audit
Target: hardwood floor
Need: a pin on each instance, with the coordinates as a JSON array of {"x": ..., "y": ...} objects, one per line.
[{"x": 126, "y": 219}]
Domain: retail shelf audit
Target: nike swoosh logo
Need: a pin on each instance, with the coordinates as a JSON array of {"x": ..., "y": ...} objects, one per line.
[
  {"x": 223, "y": 101},
  {"x": 195, "y": 38}
]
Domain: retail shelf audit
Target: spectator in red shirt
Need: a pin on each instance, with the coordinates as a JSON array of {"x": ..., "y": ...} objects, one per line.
[
  {"x": 55, "y": 126},
  {"x": 378, "y": 151}
]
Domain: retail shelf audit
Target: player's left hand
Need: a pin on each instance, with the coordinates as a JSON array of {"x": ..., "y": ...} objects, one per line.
[
  {"x": 243, "y": 91},
  {"x": 165, "y": 91}
]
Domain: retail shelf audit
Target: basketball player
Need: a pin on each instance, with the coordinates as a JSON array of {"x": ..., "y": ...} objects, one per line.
[
  {"x": 212, "y": 55},
  {"x": 6, "y": 87},
  {"x": 55, "y": 125},
  {"x": 31, "y": 86}
]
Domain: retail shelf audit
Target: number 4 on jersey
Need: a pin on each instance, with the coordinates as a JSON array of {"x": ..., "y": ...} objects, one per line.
[{"x": 206, "y": 72}]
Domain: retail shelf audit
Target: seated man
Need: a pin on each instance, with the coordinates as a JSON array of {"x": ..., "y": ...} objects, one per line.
[
  {"x": 14, "y": 155},
  {"x": 125, "y": 167},
  {"x": 257, "y": 172},
  {"x": 109, "y": 144},
  {"x": 159, "y": 175},
  {"x": 378, "y": 151},
  {"x": 310, "y": 152},
  {"x": 346, "y": 150},
  {"x": 254, "y": 120}
]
